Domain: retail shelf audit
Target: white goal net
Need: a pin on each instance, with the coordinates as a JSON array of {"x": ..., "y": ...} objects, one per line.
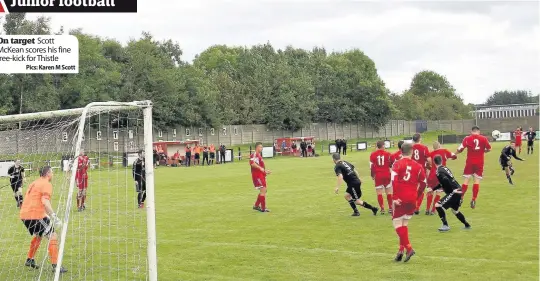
[{"x": 109, "y": 237}]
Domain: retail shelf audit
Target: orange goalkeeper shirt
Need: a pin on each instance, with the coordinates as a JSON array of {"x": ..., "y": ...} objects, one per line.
[{"x": 32, "y": 207}]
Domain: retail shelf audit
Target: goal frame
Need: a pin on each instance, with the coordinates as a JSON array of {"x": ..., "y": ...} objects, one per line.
[{"x": 146, "y": 107}]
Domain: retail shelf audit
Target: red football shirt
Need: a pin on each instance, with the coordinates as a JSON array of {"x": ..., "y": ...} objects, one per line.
[
  {"x": 82, "y": 166},
  {"x": 395, "y": 157},
  {"x": 476, "y": 145},
  {"x": 517, "y": 135},
  {"x": 420, "y": 154},
  {"x": 257, "y": 159},
  {"x": 379, "y": 161},
  {"x": 407, "y": 177},
  {"x": 445, "y": 155}
]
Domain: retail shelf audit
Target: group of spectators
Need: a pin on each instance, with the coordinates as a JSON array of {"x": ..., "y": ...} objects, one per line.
[
  {"x": 341, "y": 146},
  {"x": 193, "y": 156},
  {"x": 306, "y": 149}
]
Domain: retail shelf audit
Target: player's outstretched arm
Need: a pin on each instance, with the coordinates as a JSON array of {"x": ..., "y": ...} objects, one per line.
[
  {"x": 338, "y": 184},
  {"x": 516, "y": 157}
]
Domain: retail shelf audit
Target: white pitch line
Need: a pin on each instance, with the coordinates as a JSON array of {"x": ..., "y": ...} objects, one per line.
[{"x": 322, "y": 250}]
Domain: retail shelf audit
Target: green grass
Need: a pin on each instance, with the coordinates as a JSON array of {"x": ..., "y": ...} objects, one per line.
[{"x": 207, "y": 230}]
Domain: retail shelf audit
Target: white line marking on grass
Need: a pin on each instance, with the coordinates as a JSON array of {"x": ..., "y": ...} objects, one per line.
[{"x": 322, "y": 250}]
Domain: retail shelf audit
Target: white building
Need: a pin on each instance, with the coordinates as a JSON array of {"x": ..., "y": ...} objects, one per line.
[{"x": 505, "y": 111}]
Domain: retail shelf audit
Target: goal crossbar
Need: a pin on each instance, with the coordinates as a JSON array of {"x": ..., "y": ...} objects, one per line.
[{"x": 91, "y": 108}]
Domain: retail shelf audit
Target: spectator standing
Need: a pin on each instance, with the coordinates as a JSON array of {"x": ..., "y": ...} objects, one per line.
[
  {"x": 303, "y": 148},
  {"x": 188, "y": 156},
  {"x": 205, "y": 156},
  {"x": 344, "y": 145},
  {"x": 222, "y": 154},
  {"x": 212, "y": 153}
]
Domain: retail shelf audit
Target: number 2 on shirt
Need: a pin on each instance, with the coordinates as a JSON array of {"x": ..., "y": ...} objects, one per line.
[
  {"x": 476, "y": 144},
  {"x": 407, "y": 173}
]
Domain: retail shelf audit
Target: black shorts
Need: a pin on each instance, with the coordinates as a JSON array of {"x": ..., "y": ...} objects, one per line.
[
  {"x": 504, "y": 163},
  {"x": 212, "y": 155},
  {"x": 140, "y": 186},
  {"x": 452, "y": 200},
  {"x": 354, "y": 190},
  {"x": 39, "y": 227},
  {"x": 16, "y": 185},
  {"x": 530, "y": 143},
  {"x": 197, "y": 156}
]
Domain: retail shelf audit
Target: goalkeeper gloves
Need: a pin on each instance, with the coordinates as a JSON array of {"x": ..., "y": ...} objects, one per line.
[{"x": 55, "y": 220}]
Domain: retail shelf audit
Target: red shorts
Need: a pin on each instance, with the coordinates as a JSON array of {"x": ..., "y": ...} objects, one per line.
[
  {"x": 82, "y": 183},
  {"x": 518, "y": 142},
  {"x": 382, "y": 182},
  {"x": 476, "y": 170},
  {"x": 404, "y": 210},
  {"x": 259, "y": 182}
]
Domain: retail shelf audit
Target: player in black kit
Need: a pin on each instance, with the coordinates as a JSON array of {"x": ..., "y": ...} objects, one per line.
[
  {"x": 531, "y": 136},
  {"x": 452, "y": 199},
  {"x": 16, "y": 177},
  {"x": 507, "y": 153},
  {"x": 345, "y": 172},
  {"x": 139, "y": 175}
]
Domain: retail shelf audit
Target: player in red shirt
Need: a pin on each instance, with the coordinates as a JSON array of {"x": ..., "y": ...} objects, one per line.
[
  {"x": 432, "y": 181},
  {"x": 477, "y": 145},
  {"x": 258, "y": 174},
  {"x": 396, "y": 155},
  {"x": 420, "y": 154},
  {"x": 81, "y": 177},
  {"x": 380, "y": 172},
  {"x": 409, "y": 181},
  {"x": 518, "y": 134}
]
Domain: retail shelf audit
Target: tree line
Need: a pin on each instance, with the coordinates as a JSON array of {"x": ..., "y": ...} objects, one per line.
[{"x": 282, "y": 88}]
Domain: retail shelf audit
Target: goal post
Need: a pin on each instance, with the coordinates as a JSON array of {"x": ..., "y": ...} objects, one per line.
[{"x": 111, "y": 238}]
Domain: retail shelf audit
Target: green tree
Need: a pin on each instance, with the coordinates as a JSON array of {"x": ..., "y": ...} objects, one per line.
[{"x": 511, "y": 97}]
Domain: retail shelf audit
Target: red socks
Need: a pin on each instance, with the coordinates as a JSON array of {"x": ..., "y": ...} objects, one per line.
[
  {"x": 258, "y": 202},
  {"x": 389, "y": 199},
  {"x": 419, "y": 201},
  {"x": 475, "y": 189},
  {"x": 263, "y": 202},
  {"x": 464, "y": 189},
  {"x": 380, "y": 200},
  {"x": 403, "y": 233},
  {"x": 429, "y": 200},
  {"x": 437, "y": 198}
]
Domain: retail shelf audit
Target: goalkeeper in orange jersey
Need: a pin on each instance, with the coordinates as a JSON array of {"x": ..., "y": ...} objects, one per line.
[
  {"x": 81, "y": 178},
  {"x": 39, "y": 218}
]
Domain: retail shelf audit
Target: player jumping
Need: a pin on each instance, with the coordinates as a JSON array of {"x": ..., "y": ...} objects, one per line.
[
  {"x": 139, "y": 176},
  {"x": 38, "y": 216},
  {"x": 380, "y": 172},
  {"x": 452, "y": 199},
  {"x": 81, "y": 177},
  {"x": 258, "y": 175},
  {"x": 531, "y": 136},
  {"x": 477, "y": 146},
  {"x": 420, "y": 154},
  {"x": 507, "y": 153},
  {"x": 345, "y": 171},
  {"x": 16, "y": 179},
  {"x": 432, "y": 181},
  {"x": 518, "y": 134},
  {"x": 408, "y": 182}
]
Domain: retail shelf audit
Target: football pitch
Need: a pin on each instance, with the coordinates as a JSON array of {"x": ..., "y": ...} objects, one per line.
[{"x": 206, "y": 229}]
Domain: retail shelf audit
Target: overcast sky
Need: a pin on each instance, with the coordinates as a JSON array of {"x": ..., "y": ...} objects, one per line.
[{"x": 481, "y": 47}]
